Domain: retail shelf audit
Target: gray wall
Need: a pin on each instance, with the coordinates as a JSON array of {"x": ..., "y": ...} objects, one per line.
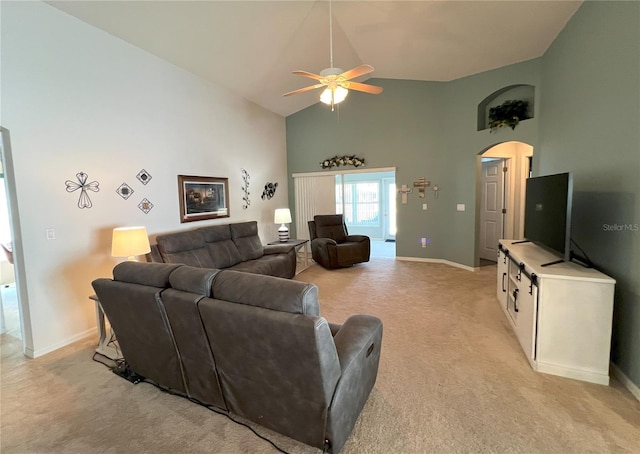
[
  {"x": 424, "y": 129},
  {"x": 590, "y": 125},
  {"x": 586, "y": 121}
]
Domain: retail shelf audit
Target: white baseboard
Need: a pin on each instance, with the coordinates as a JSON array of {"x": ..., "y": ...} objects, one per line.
[
  {"x": 576, "y": 374},
  {"x": 446, "y": 262},
  {"x": 631, "y": 386},
  {"x": 29, "y": 352}
]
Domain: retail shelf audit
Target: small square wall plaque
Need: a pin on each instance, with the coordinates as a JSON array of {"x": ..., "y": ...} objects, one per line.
[
  {"x": 145, "y": 206},
  {"x": 124, "y": 191},
  {"x": 144, "y": 176}
]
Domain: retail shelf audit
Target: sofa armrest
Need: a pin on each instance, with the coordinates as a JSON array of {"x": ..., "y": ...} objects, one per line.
[
  {"x": 278, "y": 248},
  {"x": 358, "y": 345},
  {"x": 354, "y": 339},
  {"x": 324, "y": 251},
  {"x": 153, "y": 255},
  {"x": 356, "y": 238},
  {"x": 321, "y": 242}
]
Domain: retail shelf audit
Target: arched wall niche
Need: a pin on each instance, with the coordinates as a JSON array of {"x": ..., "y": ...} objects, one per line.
[{"x": 518, "y": 91}]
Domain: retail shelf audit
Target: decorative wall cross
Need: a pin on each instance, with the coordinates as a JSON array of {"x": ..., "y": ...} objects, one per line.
[{"x": 83, "y": 201}]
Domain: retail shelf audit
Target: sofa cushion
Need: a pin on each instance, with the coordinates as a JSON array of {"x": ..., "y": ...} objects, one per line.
[
  {"x": 266, "y": 291},
  {"x": 188, "y": 248},
  {"x": 275, "y": 368},
  {"x": 245, "y": 236},
  {"x": 330, "y": 226},
  {"x": 151, "y": 274},
  {"x": 222, "y": 249},
  {"x": 258, "y": 266},
  {"x": 139, "y": 321},
  {"x": 192, "y": 279}
]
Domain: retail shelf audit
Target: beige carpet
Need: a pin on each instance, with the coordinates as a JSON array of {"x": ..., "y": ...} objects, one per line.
[{"x": 452, "y": 379}]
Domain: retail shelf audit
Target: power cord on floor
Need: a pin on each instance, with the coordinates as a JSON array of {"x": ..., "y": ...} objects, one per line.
[
  {"x": 121, "y": 364},
  {"x": 221, "y": 412}
]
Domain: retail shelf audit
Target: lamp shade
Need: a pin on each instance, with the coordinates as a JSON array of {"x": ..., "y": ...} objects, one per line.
[
  {"x": 282, "y": 216},
  {"x": 129, "y": 242}
]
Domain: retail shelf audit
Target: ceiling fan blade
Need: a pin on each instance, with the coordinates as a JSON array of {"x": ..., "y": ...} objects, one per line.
[
  {"x": 307, "y": 74},
  {"x": 302, "y": 90},
  {"x": 372, "y": 89},
  {"x": 357, "y": 72}
]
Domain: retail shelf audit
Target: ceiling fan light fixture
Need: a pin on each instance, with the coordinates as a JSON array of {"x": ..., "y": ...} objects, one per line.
[
  {"x": 337, "y": 82},
  {"x": 331, "y": 96}
]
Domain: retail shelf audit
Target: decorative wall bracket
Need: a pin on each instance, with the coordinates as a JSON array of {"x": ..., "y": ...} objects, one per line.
[{"x": 421, "y": 184}]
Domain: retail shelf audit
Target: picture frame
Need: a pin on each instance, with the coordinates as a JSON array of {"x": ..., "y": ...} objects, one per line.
[{"x": 203, "y": 198}]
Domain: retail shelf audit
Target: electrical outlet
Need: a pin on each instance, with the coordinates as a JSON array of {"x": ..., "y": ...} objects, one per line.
[
  {"x": 424, "y": 206},
  {"x": 460, "y": 207},
  {"x": 423, "y": 242},
  {"x": 51, "y": 234}
]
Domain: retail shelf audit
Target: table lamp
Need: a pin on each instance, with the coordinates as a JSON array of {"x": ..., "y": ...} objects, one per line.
[
  {"x": 282, "y": 216},
  {"x": 129, "y": 242}
]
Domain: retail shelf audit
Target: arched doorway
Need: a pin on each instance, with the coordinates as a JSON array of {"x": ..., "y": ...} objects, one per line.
[{"x": 502, "y": 170}]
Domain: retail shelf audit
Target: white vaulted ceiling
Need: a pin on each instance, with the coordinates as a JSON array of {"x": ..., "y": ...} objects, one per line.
[{"x": 251, "y": 47}]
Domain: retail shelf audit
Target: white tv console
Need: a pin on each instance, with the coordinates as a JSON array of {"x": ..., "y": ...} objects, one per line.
[{"x": 561, "y": 314}]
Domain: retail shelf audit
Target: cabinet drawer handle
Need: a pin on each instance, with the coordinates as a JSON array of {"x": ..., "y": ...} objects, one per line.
[
  {"x": 504, "y": 275},
  {"x": 515, "y": 300}
]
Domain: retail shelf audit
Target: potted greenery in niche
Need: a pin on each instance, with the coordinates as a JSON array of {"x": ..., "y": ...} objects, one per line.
[{"x": 509, "y": 113}]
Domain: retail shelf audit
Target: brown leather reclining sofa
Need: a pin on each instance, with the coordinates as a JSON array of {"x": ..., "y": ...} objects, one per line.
[
  {"x": 228, "y": 246},
  {"x": 247, "y": 344}
]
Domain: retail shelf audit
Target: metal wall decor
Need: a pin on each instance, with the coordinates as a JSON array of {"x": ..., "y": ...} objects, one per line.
[
  {"x": 144, "y": 177},
  {"x": 145, "y": 206},
  {"x": 124, "y": 191},
  {"x": 245, "y": 189},
  {"x": 269, "y": 190},
  {"x": 83, "y": 201}
]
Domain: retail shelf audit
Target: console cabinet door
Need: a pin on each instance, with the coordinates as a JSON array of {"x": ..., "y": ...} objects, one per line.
[
  {"x": 525, "y": 307},
  {"x": 503, "y": 280}
]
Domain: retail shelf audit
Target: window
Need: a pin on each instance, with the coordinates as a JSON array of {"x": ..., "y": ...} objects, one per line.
[{"x": 359, "y": 202}]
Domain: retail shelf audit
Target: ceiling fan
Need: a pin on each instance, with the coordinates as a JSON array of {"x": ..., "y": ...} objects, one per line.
[{"x": 337, "y": 82}]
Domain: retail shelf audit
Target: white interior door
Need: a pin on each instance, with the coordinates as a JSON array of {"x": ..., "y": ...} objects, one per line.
[{"x": 491, "y": 207}]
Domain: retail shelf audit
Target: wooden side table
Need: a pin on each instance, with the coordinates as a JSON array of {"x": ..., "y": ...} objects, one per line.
[
  {"x": 298, "y": 244},
  {"x": 103, "y": 342}
]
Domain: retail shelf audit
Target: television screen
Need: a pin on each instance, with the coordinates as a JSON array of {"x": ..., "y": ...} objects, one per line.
[{"x": 547, "y": 215}]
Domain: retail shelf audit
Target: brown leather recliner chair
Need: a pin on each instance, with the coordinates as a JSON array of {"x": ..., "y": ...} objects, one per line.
[{"x": 332, "y": 246}]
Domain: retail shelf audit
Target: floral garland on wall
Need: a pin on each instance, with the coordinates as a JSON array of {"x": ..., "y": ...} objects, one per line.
[{"x": 338, "y": 161}]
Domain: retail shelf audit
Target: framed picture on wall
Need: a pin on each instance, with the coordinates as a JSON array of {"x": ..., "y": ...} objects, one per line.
[{"x": 203, "y": 198}]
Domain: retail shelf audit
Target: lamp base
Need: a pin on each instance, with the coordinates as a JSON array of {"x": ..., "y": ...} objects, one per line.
[{"x": 283, "y": 233}]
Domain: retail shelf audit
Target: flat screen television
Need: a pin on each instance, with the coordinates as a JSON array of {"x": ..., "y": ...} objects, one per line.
[{"x": 547, "y": 213}]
